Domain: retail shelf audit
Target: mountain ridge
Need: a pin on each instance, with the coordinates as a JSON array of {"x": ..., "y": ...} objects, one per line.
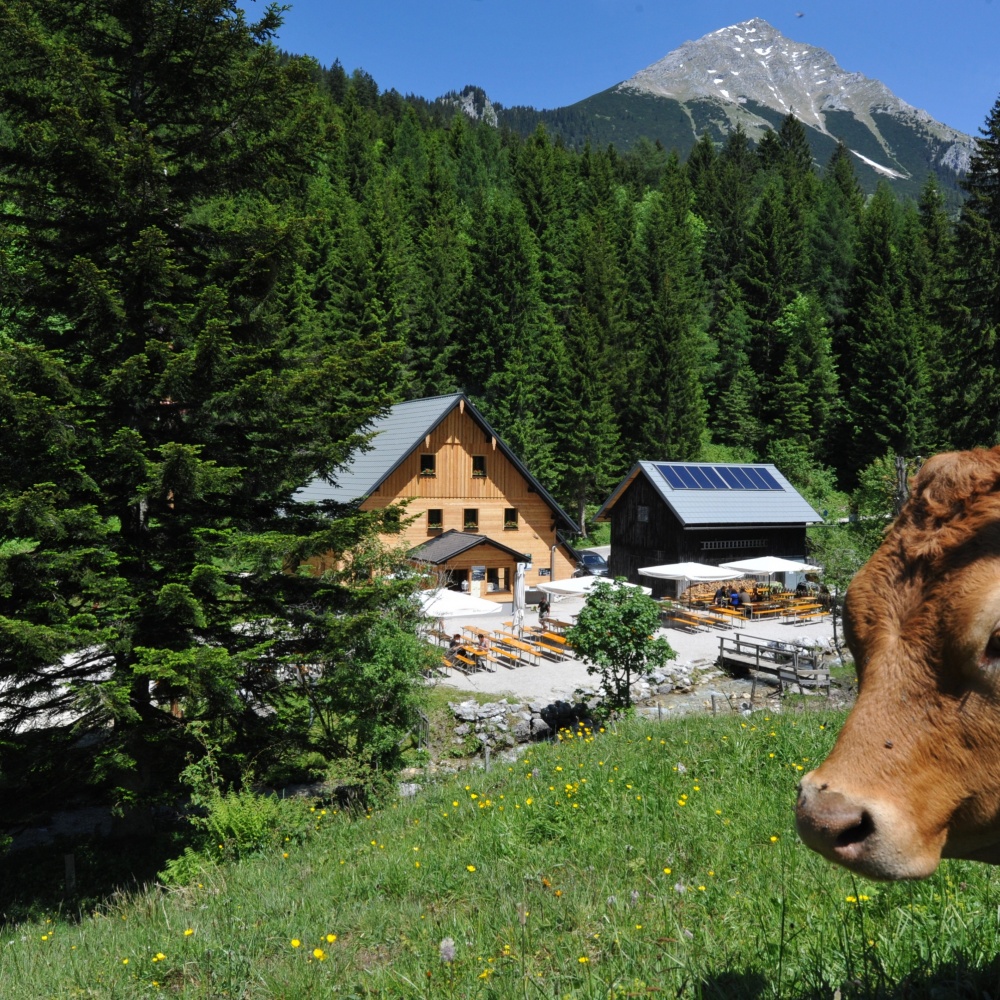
[{"x": 752, "y": 75}]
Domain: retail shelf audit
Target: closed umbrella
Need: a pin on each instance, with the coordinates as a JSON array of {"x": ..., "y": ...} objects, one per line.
[{"x": 518, "y": 605}]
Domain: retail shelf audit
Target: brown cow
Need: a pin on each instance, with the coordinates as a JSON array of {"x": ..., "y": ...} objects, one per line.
[{"x": 915, "y": 773}]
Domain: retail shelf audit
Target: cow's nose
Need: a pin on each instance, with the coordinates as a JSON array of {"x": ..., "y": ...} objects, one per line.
[{"x": 831, "y": 823}]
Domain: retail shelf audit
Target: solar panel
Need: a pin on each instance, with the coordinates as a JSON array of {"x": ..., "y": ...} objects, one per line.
[{"x": 718, "y": 477}]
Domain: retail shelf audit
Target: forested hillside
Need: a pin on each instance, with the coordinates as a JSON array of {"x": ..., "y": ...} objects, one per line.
[{"x": 604, "y": 307}]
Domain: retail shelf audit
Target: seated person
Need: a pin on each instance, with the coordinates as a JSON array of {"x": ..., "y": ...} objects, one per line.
[
  {"x": 734, "y": 598},
  {"x": 720, "y": 596},
  {"x": 755, "y": 596},
  {"x": 744, "y": 599},
  {"x": 456, "y": 642}
]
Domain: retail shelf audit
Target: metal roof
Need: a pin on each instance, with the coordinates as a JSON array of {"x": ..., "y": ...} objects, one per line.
[
  {"x": 394, "y": 437},
  {"x": 722, "y": 506},
  {"x": 452, "y": 543}
]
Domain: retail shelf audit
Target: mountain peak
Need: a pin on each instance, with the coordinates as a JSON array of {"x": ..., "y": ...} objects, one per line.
[{"x": 752, "y": 63}]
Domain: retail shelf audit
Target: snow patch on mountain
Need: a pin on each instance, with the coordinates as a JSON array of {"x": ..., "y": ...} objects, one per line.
[{"x": 786, "y": 76}]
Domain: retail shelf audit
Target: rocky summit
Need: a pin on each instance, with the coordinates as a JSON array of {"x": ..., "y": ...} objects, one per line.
[{"x": 752, "y": 75}]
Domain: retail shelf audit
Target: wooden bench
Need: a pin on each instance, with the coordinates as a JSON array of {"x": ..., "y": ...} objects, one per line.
[
  {"x": 463, "y": 664},
  {"x": 682, "y": 620},
  {"x": 808, "y": 615}
]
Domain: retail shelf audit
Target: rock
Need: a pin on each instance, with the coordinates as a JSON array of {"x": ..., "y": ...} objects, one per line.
[
  {"x": 408, "y": 789},
  {"x": 467, "y": 710}
]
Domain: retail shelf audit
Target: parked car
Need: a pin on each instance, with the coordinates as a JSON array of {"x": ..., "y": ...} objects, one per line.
[{"x": 591, "y": 564}]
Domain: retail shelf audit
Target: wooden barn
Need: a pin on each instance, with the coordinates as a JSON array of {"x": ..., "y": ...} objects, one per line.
[
  {"x": 478, "y": 509},
  {"x": 706, "y": 512}
]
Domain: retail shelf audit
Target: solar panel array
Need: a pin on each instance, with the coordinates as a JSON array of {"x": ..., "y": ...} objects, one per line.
[{"x": 718, "y": 477}]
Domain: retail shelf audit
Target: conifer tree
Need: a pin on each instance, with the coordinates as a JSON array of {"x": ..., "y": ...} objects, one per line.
[
  {"x": 884, "y": 356},
  {"x": 975, "y": 405},
  {"x": 153, "y": 154},
  {"x": 669, "y": 319}
]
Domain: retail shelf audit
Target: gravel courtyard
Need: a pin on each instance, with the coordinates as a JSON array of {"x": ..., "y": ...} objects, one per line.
[{"x": 551, "y": 681}]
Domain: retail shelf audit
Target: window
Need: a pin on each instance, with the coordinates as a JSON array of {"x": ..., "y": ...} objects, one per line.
[
  {"x": 478, "y": 466},
  {"x": 471, "y": 520},
  {"x": 435, "y": 519},
  {"x": 510, "y": 519},
  {"x": 428, "y": 465},
  {"x": 642, "y": 514}
]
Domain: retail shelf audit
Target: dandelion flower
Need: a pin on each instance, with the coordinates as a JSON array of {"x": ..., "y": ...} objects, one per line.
[
  {"x": 447, "y": 950},
  {"x": 666, "y": 871},
  {"x": 470, "y": 868},
  {"x": 296, "y": 943},
  {"x": 189, "y": 932},
  {"x": 774, "y": 840},
  {"x": 330, "y": 938},
  {"x": 583, "y": 960},
  {"x": 319, "y": 954}
]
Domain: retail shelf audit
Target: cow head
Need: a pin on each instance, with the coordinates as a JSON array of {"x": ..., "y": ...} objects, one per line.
[{"x": 915, "y": 773}]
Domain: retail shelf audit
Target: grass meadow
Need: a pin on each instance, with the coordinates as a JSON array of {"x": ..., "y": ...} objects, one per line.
[{"x": 640, "y": 861}]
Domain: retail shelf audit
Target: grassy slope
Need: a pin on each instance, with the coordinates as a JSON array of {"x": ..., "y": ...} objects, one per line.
[{"x": 610, "y": 864}]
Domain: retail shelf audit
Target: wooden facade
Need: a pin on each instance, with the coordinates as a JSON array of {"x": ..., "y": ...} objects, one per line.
[
  {"x": 460, "y": 468},
  {"x": 646, "y": 532}
]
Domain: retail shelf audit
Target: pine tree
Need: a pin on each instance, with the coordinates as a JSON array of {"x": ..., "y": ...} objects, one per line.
[
  {"x": 669, "y": 316},
  {"x": 888, "y": 380},
  {"x": 153, "y": 155},
  {"x": 978, "y": 347}
]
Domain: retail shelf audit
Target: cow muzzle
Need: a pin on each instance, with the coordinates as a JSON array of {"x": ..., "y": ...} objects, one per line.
[{"x": 863, "y": 836}]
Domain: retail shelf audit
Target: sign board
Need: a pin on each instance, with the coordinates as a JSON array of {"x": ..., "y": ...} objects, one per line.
[
  {"x": 478, "y": 572},
  {"x": 544, "y": 572}
]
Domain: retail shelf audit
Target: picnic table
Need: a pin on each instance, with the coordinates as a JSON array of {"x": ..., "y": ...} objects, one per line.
[
  {"x": 735, "y": 617},
  {"x": 523, "y": 649},
  {"x": 555, "y": 625}
]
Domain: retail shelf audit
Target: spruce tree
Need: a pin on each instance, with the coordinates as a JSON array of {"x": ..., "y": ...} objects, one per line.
[
  {"x": 153, "y": 156},
  {"x": 975, "y": 407}
]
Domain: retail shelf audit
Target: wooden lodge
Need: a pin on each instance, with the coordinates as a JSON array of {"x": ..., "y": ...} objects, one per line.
[
  {"x": 705, "y": 512},
  {"x": 474, "y": 509}
]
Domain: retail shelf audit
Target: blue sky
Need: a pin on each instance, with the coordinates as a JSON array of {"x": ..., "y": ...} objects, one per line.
[{"x": 939, "y": 55}]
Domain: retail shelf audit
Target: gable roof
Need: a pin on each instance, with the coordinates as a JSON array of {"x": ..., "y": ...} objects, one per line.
[
  {"x": 394, "y": 437},
  {"x": 452, "y": 543},
  {"x": 720, "y": 493}
]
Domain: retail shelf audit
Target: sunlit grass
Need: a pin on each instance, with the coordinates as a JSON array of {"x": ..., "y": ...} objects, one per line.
[{"x": 610, "y": 864}]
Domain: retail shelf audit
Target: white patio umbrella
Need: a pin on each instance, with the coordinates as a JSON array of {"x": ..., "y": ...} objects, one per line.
[
  {"x": 576, "y": 585},
  {"x": 518, "y": 605},
  {"x": 770, "y": 565},
  {"x": 689, "y": 572},
  {"x": 452, "y": 604}
]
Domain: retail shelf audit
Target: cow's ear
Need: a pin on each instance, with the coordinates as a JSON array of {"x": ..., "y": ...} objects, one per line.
[{"x": 954, "y": 476}]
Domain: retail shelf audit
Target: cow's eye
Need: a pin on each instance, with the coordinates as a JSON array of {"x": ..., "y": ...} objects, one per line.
[{"x": 993, "y": 646}]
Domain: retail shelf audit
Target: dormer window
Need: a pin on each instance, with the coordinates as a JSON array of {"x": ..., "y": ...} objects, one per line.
[
  {"x": 428, "y": 466},
  {"x": 478, "y": 466}
]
